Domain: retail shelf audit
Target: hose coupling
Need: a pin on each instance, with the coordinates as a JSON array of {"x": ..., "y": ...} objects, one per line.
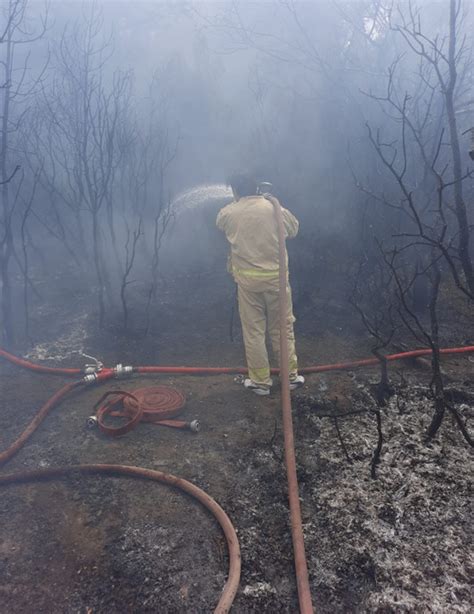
[
  {"x": 88, "y": 369},
  {"x": 122, "y": 371},
  {"x": 94, "y": 367},
  {"x": 92, "y": 422},
  {"x": 195, "y": 426},
  {"x": 90, "y": 378}
]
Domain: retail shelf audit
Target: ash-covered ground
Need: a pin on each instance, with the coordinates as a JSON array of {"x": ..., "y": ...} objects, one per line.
[{"x": 399, "y": 543}]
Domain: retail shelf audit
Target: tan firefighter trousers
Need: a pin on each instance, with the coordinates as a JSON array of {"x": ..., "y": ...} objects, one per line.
[{"x": 259, "y": 313}]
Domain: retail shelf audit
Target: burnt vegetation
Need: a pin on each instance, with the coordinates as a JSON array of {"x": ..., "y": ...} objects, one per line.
[{"x": 362, "y": 116}]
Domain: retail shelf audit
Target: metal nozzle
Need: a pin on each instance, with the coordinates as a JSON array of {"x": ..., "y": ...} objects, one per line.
[
  {"x": 92, "y": 422},
  {"x": 264, "y": 187},
  {"x": 195, "y": 426}
]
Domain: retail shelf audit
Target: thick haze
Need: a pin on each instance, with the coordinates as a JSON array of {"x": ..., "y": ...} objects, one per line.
[{"x": 124, "y": 106}]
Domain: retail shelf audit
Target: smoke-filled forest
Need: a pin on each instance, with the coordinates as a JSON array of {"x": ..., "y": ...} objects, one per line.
[{"x": 122, "y": 128}]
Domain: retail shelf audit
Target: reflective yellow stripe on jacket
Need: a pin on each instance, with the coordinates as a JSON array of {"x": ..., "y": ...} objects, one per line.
[{"x": 255, "y": 272}]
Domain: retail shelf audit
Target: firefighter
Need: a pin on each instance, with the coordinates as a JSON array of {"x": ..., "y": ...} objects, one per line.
[{"x": 250, "y": 227}]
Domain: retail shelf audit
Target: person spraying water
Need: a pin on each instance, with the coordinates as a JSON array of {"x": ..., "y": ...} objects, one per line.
[{"x": 250, "y": 227}]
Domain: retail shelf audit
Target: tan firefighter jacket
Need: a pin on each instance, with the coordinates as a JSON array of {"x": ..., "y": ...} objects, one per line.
[{"x": 251, "y": 229}]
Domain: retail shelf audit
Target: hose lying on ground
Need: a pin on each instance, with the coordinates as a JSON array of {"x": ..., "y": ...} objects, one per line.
[
  {"x": 106, "y": 374},
  {"x": 339, "y": 366},
  {"x": 26, "y": 364},
  {"x": 153, "y": 404},
  {"x": 37, "y": 420},
  {"x": 231, "y": 586},
  {"x": 232, "y": 583}
]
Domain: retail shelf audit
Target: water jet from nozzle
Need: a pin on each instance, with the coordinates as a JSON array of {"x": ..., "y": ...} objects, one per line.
[{"x": 208, "y": 195}]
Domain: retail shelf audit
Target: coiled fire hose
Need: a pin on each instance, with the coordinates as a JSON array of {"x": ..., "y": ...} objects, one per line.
[
  {"x": 105, "y": 374},
  {"x": 232, "y": 583},
  {"x": 153, "y": 404}
]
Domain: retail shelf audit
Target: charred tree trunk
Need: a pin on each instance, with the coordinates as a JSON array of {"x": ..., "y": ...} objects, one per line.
[
  {"x": 6, "y": 247},
  {"x": 460, "y": 205},
  {"x": 98, "y": 267},
  {"x": 7, "y": 320},
  {"x": 130, "y": 253},
  {"x": 383, "y": 391},
  {"x": 437, "y": 379},
  {"x": 113, "y": 236}
]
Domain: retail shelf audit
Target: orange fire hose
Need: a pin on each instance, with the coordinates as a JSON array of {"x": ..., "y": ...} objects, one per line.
[
  {"x": 107, "y": 405},
  {"x": 153, "y": 404},
  {"x": 180, "y": 370},
  {"x": 26, "y": 364},
  {"x": 301, "y": 567},
  {"x": 107, "y": 373},
  {"x": 157, "y": 402},
  {"x": 36, "y": 421},
  {"x": 337, "y": 366},
  {"x": 232, "y": 584}
]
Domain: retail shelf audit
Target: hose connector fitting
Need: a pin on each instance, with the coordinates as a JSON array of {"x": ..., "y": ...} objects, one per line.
[
  {"x": 90, "y": 378},
  {"x": 88, "y": 369},
  {"x": 94, "y": 367},
  {"x": 92, "y": 422},
  {"x": 121, "y": 371},
  {"x": 195, "y": 426}
]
